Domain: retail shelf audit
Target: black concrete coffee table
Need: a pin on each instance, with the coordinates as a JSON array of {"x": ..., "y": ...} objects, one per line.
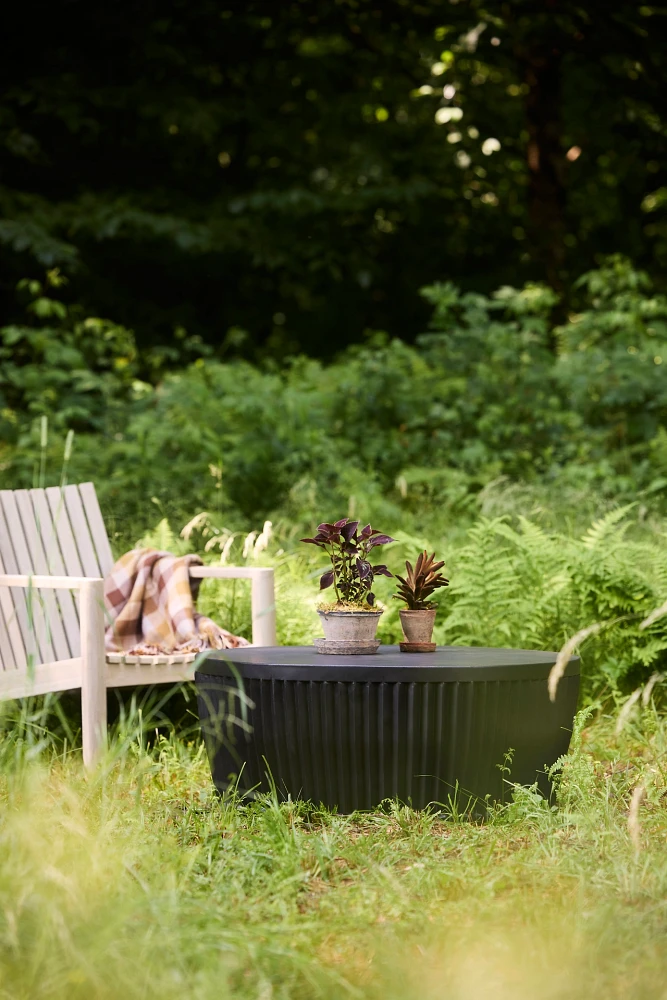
[{"x": 349, "y": 732}]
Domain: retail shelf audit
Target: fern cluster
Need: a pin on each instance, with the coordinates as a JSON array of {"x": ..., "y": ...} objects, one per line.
[
  {"x": 512, "y": 584},
  {"x": 528, "y": 588}
]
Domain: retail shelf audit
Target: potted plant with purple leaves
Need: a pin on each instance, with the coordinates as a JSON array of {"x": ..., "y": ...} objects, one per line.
[
  {"x": 416, "y": 589},
  {"x": 351, "y": 620}
]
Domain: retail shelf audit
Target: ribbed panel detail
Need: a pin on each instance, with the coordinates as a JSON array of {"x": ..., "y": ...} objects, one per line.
[{"x": 350, "y": 745}]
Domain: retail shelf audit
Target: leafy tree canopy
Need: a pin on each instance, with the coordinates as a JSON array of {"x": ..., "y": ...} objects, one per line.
[{"x": 283, "y": 176}]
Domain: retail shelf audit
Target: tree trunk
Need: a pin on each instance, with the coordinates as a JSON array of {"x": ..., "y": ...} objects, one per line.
[{"x": 540, "y": 71}]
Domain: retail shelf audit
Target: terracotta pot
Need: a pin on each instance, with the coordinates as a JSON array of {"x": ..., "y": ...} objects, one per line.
[
  {"x": 350, "y": 626},
  {"x": 417, "y": 625}
]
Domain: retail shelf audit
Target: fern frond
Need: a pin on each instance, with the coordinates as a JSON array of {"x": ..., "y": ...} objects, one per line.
[{"x": 601, "y": 529}]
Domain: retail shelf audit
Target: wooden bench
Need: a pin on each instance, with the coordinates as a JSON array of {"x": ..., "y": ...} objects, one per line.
[{"x": 54, "y": 555}]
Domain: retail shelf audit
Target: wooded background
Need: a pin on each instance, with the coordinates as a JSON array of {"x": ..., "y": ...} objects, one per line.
[{"x": 278, "y": 177}]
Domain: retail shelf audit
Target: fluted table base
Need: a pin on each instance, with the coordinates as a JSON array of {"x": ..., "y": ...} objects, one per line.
[{"x": 351, "y": 733}]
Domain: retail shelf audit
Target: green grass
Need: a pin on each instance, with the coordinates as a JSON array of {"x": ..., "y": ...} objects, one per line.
[{"x": 139, "y": 882}]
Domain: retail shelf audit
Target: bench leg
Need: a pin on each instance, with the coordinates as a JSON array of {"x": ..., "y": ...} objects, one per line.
[
  {"x": 263, "y": 608},
  {"x": 93, "y": 667}
]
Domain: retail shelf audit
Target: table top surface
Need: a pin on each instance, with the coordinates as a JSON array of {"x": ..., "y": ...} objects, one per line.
[{"x": 389, "y": 663}]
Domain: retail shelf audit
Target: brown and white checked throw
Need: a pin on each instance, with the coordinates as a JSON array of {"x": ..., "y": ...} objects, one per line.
[{"x": 150, "y": 605}]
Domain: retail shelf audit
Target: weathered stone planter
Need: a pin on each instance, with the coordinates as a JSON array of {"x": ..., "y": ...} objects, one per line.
[
  {"x": 350, "y": 632},
  {"x": 417, "y": 625}
]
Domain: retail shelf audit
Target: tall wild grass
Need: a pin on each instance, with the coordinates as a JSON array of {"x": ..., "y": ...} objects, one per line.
[{"x": 139, "y": 882}]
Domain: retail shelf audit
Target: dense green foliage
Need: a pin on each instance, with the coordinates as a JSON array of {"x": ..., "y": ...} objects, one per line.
[
  {"x": 513, "y": 583},
  {"x": 495, "y": 388},
  {"x": 527, "y": 588},
  {"x": 409, "y": 436},
  {"x": 298, "y": 170}
]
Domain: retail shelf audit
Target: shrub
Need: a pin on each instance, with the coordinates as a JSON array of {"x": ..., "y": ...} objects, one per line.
[{"x": 492, "y": 390}]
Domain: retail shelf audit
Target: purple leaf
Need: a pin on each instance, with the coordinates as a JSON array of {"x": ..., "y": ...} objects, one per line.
[
  {"x": 339, "y": 524},
  {"x": 313, "y": 541},
  {"x": 381, "y": 571},
  {"x": 326, "y": 579},
  {"x": 380, "y": 540},
  {"x": 325, "y": 526},
  {"x": 363, "y": 569},
  {"x": 348, "y": 530},
  {"x": 350, "y": 548},
  {"x": 370, "y": 597},
  {"x": 366, "y": 532}
]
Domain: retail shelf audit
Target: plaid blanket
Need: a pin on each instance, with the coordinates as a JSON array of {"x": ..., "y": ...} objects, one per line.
[{"x": 150, "y": 606}]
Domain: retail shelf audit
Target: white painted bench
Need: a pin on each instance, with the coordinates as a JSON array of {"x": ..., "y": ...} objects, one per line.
[{"x": 54, "y": 555}]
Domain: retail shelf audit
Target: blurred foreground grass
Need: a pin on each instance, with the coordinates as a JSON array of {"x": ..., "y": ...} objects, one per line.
[{"x": 138, "y": 882}]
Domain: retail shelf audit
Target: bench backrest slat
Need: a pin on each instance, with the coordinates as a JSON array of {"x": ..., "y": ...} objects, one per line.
[
  {"x": 56, "y": 567},
  {"x": 14, "y": 552},
  {"x": 98, "y": 531},
  {"x": 63, "y": 530},
  {"x": 36, "y": 537},
  {"x": 56, "y": 531},
  {"x": 81, "y": 532},
  {"x": 13, "y": 650}
]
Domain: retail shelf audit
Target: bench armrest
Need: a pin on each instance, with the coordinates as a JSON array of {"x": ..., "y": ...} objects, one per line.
[
  {"x": 47, "y": 582},
  {"x": 262, "y": 596},
  {"x": 229, "y": 572}
]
